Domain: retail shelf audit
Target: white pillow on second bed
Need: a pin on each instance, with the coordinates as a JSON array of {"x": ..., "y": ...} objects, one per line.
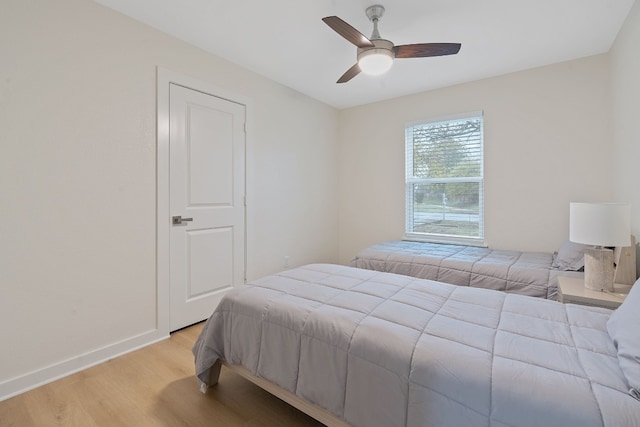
[{"x": 570, "y": 256}]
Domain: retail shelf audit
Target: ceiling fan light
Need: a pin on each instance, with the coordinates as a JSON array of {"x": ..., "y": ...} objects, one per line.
[{"x": 375, "y": 61}]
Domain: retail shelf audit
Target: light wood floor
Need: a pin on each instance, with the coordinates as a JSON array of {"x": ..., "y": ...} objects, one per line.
[{"x": 154, "y": 386}]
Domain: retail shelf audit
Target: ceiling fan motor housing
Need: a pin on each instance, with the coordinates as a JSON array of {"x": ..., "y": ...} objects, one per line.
[{"x": 380, "y": 45}]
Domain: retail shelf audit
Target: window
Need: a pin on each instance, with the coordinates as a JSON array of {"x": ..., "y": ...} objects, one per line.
[{"x": 444, "y": 180}]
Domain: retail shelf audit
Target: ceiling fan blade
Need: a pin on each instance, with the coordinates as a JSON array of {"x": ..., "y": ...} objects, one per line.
[
  {"x": 422, "y": 50},
  {"x": 349, "y": 74},
  {"x": 347, "y": 31}
]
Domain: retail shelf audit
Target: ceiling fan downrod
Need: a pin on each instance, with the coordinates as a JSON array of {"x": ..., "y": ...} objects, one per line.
[{"x": 374, "y": 13}]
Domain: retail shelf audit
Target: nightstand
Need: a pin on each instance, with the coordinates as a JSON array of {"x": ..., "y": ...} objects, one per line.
[{"x": 572, "y": 290}]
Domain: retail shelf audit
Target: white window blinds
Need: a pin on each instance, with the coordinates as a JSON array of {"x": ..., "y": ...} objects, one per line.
[{"x": 444, "y": 179}]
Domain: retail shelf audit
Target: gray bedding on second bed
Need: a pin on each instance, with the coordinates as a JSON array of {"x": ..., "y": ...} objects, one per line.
[{"x": 524, "y": 273}]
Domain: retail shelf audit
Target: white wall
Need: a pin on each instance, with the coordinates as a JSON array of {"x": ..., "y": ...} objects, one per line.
[
  {"x": 547, "y": 142},
  {"x": 78, "y": 181},
  {"x": 625, "y": 74}
]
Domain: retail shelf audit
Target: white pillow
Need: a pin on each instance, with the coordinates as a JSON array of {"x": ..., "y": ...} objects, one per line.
[
  {"x": 570, "y": 256},
  {"x": 624, "y": 329}
]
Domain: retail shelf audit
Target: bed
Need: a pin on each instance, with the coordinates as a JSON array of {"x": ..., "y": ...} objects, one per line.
[
  {"x": 526, "y": 273},
  {"x": 358, "y": 347}
]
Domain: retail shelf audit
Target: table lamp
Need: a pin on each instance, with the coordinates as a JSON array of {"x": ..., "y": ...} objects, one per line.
[{"x": 601, "y": 225}]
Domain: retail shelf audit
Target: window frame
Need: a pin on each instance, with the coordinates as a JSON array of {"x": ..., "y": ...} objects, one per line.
[{"x": 410, "y": 181}]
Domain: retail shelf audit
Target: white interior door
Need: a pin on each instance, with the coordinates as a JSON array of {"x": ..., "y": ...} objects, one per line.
[{"x": 206, "y": 198}]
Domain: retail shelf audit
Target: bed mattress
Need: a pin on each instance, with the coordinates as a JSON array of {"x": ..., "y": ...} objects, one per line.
[
  {"x": 380, "y": 349},
  {"x": 524, "y": 273}
]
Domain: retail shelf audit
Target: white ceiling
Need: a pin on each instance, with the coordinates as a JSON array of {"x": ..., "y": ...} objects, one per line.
[{"x": 286, "y": 40}]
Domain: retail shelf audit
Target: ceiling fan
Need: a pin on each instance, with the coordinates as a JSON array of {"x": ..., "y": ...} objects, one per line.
[{"x": 375, "y": 55}]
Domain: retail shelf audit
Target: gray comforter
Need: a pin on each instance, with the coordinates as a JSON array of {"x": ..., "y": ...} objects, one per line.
[
  {"x": 380, "y": 349},
  {"x": 525, "y": 273}
]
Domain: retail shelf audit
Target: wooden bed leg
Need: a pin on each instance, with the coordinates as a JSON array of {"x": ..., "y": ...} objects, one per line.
[{"x": 214, "y": 373}]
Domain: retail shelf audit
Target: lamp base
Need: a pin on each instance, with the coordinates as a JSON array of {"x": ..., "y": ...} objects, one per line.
[{"x": 598, "y": 269}]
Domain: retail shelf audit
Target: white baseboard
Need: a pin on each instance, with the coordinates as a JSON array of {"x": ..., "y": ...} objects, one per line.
[{"x": 37, "y": 378}]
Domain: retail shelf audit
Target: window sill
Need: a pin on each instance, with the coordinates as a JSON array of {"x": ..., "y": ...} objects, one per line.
[{"x": 447, "y": 240}]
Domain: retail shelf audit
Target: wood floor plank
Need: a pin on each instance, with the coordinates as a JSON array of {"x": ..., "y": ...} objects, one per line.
[
  {"x": 152, "y": 387},
  {"x": 15, "y": 413}
]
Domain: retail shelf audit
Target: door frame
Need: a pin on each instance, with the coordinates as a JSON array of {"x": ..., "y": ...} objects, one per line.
[{"x": 166, "y": 77}]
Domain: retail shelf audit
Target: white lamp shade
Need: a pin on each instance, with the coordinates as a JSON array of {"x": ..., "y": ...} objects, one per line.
[
  {"x": 600, "y": 224},
  {"x": 375, "y": 61}
]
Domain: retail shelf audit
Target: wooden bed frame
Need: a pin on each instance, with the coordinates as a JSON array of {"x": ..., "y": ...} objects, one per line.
[{"x": 322, "y": 415}]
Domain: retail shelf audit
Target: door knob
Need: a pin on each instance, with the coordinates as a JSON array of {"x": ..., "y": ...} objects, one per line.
[{"x": 177, "y": 219}]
